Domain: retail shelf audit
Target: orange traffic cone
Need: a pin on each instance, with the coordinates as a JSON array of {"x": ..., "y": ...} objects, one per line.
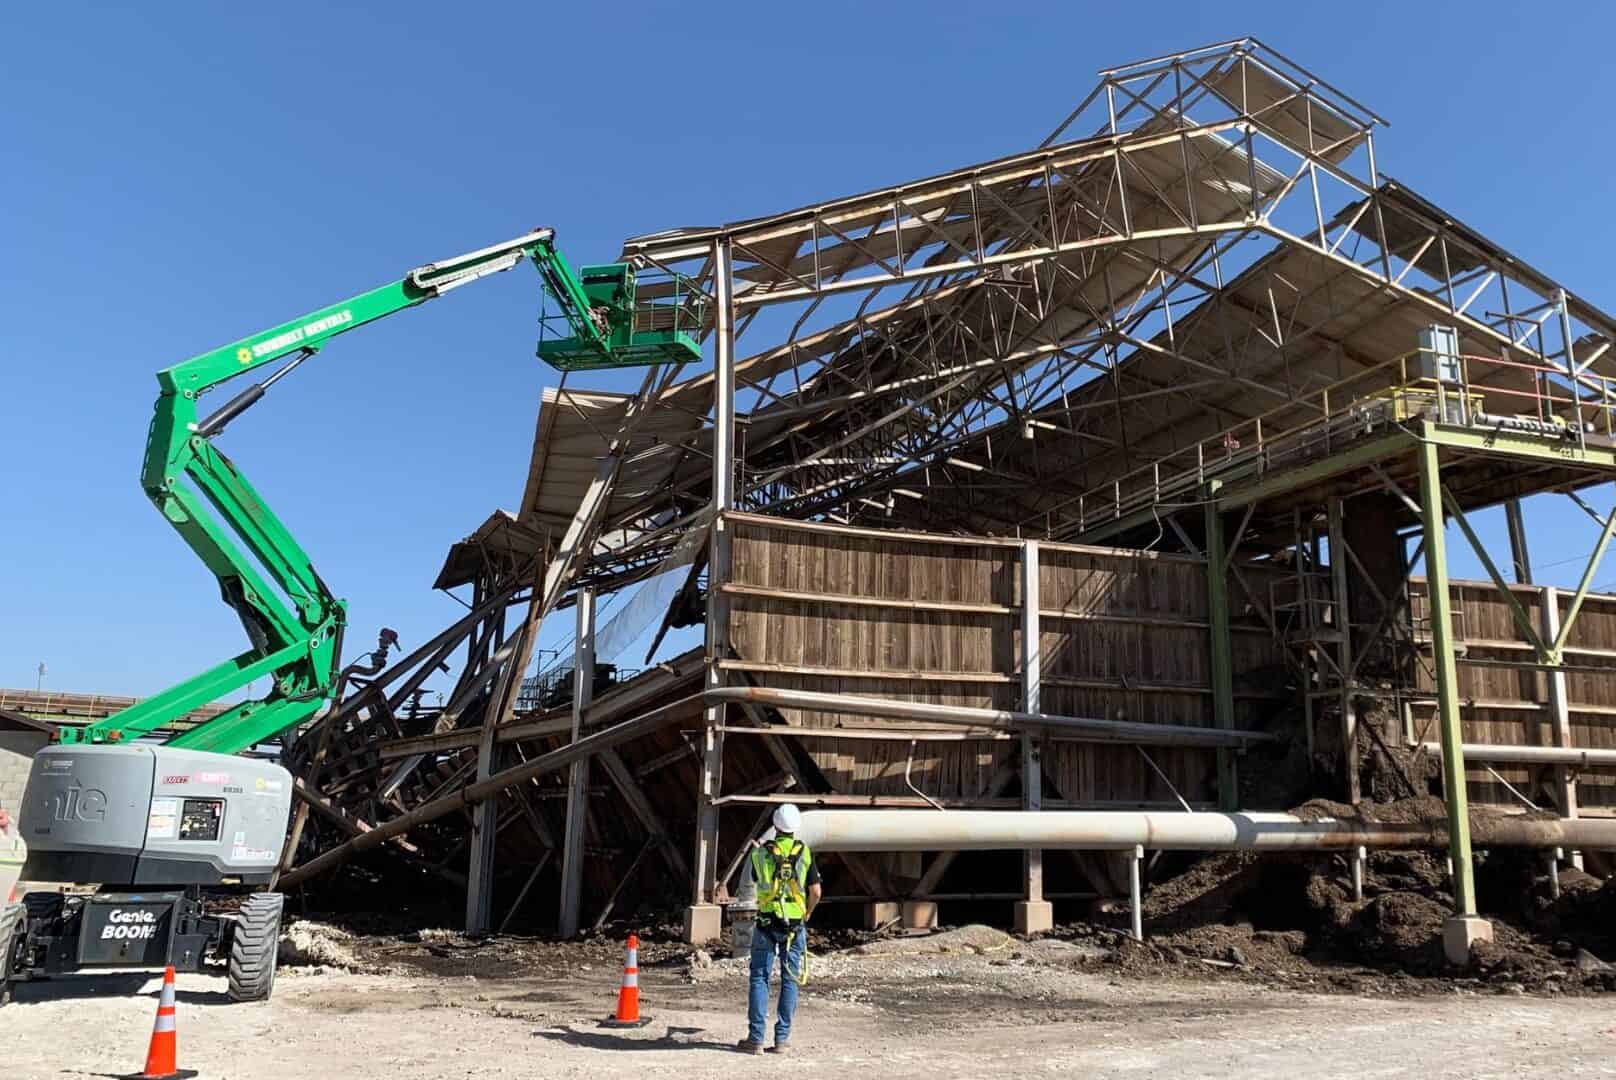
[
  {"x": 628, "y": 996},
  {"x": 161, "y": 1055}
]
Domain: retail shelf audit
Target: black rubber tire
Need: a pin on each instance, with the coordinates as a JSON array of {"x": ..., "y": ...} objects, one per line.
[
  {"x": 13, "y": 920},
  {"x": 254, "y": 947}
]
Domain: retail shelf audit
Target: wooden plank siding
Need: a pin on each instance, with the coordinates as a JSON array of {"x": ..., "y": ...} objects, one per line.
[
  {"x": 1510, "y": 705},
  {"x": 923, "y": 617}
]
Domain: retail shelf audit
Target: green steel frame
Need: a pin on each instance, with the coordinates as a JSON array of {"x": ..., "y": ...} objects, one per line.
[
  {"x": 1447, "y": 678},
  {"x": 1425, "y": 441}
]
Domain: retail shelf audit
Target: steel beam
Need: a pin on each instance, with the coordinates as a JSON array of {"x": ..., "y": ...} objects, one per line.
[
  {"x": 1032, "y": 768},
  {"x": 572, "y": 840},
  {"x": 701, "y": 922},
  {"x": 1519, "y": 551},
  {"x": 1343, "y": 607},
  {"x": 1219, "y": 645},
  {"x": 1447, "y": 678},
  {"x": 485, "y": 815}
]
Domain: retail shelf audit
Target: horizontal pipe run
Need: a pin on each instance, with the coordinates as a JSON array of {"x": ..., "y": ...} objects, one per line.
[
  {"x": 1075, "y": 727},
  {"x": 833, "y": 800},
  {"x": 1530, "y": 755},
  {"x": 872, "y": 734},
  {"x": 1002, "y": 830},
  {"x": 958, "y": 896}
]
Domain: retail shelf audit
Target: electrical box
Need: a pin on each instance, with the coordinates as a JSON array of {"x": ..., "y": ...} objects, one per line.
[{"x": 1439, "y": 355}]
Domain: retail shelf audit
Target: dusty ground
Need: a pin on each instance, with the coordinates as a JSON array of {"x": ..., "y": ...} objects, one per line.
[{"x": 963, "y": 1004}]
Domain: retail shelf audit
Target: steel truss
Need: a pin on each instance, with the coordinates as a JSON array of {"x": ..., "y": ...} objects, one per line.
[{"x": 979, "y": 350}]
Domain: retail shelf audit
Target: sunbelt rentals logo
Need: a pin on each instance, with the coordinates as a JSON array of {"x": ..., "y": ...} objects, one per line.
[{"x": 287, "y": 338}]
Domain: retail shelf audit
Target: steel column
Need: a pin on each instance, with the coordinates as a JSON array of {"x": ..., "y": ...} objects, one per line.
[
  {"x": 1343, "y": 619},
  {"x": 1559, "y": 708},
  {"x": 1447, "y": 687},
  {"x": 572, "y": 842},
  {"x": 1519, "y": 552},
  {"x": 701, "y": 922},
  {"x": 1032, "y": 769},
  {"x": 1136, "y": 893},
  {"x": 1221, "y": 658}
]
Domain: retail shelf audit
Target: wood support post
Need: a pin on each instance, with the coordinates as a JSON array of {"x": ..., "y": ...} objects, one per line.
[
  {"x": 572, "y": 840},
  {"x": 1221, "y": 659},
  {"x": 1447, "y": 684}
]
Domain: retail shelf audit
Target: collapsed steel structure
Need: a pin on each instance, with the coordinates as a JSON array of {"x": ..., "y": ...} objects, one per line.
[{"x": 1186, "y": 321}]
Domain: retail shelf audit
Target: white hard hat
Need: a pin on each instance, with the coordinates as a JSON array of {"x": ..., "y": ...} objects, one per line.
[{"x": 787, "y": 819}]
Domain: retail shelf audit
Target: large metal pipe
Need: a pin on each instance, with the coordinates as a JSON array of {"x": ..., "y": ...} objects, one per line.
[
  {"x": 1085, "y": 728},
  {"x": 994, "y": 830},
  {"x": 1530, "y": 755}
]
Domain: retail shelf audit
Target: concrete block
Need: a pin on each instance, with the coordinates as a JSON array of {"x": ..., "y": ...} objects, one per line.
[
  {"x": 704, "y": 924},
  {"x": 1460, "y": 935},
  {"x": 880, "y": 913},
  {"x": 919, "y": 915},
  {"x": 1034, "y": 916}
]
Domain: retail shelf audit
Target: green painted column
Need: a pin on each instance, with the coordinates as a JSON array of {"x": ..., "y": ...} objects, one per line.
[
  {"x": 1447, "y": 680},
  {"x": 1219, "y": 644}
]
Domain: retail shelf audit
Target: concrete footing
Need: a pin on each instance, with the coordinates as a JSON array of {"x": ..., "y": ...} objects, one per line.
[
  {"x": 1034, "y": 916},
  {"x": 919, "y": 915},
  {"x": 1460, "y": 935},
  {"x": 704, "y": 923},
  {"x": 880, "y": 913}
]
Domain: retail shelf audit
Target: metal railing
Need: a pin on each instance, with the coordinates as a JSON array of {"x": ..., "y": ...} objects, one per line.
[{"x": 1489, "y": 392}]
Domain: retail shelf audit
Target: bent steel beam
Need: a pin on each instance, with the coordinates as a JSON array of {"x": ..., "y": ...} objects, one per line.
[{"x": 1075, "y": 727}]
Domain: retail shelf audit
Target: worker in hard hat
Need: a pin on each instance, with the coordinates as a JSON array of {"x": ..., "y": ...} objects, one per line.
[{"x": 788, "y": 890}]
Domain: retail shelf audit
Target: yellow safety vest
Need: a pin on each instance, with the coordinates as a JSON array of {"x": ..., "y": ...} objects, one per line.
[{"x": 780, "y": 871}]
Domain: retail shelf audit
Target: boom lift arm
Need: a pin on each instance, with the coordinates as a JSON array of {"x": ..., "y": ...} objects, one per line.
[{"x": 296, "y": 634}]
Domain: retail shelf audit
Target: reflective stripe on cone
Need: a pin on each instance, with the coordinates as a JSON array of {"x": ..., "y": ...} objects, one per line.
[
  {"x": 628, "y": 994},
  {"x": 163, "y": 1052}
]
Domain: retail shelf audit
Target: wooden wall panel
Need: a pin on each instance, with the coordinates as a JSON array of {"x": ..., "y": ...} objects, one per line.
[
  {"x": 937, "y": 619},
  {"x": 1510, "y": 706}
]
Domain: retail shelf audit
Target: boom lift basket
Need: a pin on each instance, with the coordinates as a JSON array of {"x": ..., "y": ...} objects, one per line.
[{"x": 649, "y": 320}]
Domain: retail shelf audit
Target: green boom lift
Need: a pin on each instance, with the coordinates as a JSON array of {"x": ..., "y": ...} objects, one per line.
[
  {"x": 298, "y": 641},
  {"x": 108, "y": 809}
]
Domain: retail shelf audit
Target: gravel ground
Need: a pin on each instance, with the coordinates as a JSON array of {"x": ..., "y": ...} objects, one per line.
[{"x": 969, "y": 1003}]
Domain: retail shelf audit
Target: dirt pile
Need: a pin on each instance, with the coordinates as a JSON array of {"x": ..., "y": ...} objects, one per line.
[
  {"x": 1295, "y": 918},
  {"x": 976, "y": 940}
]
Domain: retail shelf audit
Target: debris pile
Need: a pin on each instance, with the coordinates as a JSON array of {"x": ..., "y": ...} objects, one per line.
[{"x": 1296, "y": 917}]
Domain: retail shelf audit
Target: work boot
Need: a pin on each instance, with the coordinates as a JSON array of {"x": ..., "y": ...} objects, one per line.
[
  {"x": 747, "y": 1046},
  {"x": 781, "y": 1046}
]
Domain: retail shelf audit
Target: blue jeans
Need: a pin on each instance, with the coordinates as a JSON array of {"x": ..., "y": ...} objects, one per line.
[{"x": 768, "y": 943}]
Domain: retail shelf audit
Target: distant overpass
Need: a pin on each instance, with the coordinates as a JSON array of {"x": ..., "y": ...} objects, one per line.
[{"x": 76, "y": 710}]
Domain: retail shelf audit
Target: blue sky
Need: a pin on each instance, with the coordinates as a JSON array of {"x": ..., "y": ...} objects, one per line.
[{"x": 179, "y": 176}]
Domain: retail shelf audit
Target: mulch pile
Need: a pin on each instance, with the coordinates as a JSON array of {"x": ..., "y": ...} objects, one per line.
[{"x": 1294, "y": 919}]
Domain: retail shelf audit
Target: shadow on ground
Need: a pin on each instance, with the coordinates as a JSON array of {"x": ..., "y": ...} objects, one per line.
[
  {"x": 675, "y": 1038},
  {"x": 128, "y": 985}
]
